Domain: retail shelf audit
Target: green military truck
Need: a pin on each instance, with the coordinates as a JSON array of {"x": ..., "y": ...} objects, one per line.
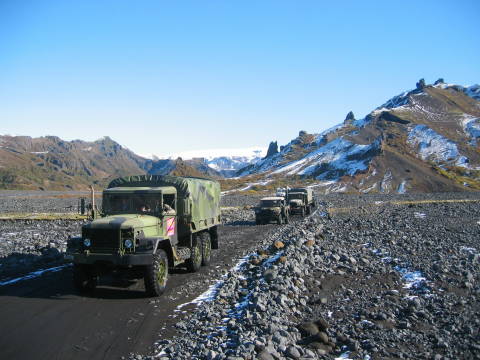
[
  {"x": 300, "y": 201},
  {"x": 272, "y": 209},
  {"x": 148, "y": 223}
]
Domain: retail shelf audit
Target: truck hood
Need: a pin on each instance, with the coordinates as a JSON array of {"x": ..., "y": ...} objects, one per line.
[{"x": 124, "y": 222}]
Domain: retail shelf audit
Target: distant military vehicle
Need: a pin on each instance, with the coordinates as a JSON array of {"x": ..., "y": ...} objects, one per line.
[
  {"x": 270, "y": 209},
  {"x": 300, "y": 201},
  {"x": 148, "y": 224},
  {"x": 281, "y": 192}
]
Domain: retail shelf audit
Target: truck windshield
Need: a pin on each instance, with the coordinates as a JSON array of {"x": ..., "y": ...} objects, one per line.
[
  {"x": 270, "y": 203},
  {"x": 295, "y": 196},
  {"x": 131, "y": 204}
]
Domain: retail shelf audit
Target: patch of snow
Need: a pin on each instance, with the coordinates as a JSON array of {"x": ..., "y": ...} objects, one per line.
[
  {"x": 414, "y": 280},
  {"x": 249, "y": 186},
  {"x": 210, "y": 154},
  {"x": 211, "y": 293},
  {"x": 371, "y": 188},
  {"x": 395, "y": 102},
  {"x": 361, "y": 122},
  {"x": 433, "y": 146},
  {"x": 473, "y": 91},
  {"x": 386, "y": 184},
  {"x": 470, "y": 250},
  {"x": 34, "y": 274},
  {"x": 344, "y": 356},
  {"x": 338, "y": 154},
  {"x": 419, "y": 215},
  {"x": 321, "y": 136},
  {"x": 401, "y": 188},
  {"x": 88, "y": 149},
  {"x": 38, "y": 152},
  {"x": 471, "y": 126}
]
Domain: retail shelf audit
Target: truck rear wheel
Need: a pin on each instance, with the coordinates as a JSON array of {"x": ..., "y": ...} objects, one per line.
[
  {"x": 302, "y": 213},
  {"x": 156, "y": 274},
  {"x": 206, "y": 248},
  {"x": 286, "y": 219},
  {"x": 84, "y": 277},
  {"x": 195, "y": 260},
  {"x": 309, "y": 209},
  {"x": 280, "y": 220}
]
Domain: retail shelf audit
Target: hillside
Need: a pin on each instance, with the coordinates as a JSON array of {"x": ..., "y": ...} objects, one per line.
[
  {"x": 52, "y": 163},
  {"x": 421, "y": 140}
]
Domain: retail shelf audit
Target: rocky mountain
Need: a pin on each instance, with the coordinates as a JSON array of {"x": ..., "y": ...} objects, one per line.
[
  {"x": 421, "y": 140},
  {"x": 52, "y": 163}
]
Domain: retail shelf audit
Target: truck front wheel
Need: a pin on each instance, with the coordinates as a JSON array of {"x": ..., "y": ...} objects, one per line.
[
  {"x": 84, "y": 277},
  {"x": 206, "y": 248},
  {"x": 156, "y": 274},
  {"x": 195, "y": 260},
  {"x": 303, "y": 212}
]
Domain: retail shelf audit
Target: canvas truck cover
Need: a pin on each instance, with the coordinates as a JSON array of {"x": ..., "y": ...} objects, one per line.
[
  {"x": 198, "y": 199},
  {"x": 307, "y": 191}
]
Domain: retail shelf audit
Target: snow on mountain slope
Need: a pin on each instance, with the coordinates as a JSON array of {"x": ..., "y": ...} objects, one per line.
[
  {"x": 435, "y": 147},
  {"x": 409, "y": 143},
  {"x": 226, "y": 162},
  {"x": 337, "y": 158}
]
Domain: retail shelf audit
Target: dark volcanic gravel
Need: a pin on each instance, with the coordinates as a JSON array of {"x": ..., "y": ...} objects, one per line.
[
  {"x": 370, "y": 279},
  {"x": 27, "y": 245},
  {"x": 12, "y": 201}
]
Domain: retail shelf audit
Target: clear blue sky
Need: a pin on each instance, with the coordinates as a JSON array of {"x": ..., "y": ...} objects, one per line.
[{"x": 171, "y": 76}]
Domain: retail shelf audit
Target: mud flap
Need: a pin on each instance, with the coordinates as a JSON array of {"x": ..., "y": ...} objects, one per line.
[{"x": 214, "y": 237}]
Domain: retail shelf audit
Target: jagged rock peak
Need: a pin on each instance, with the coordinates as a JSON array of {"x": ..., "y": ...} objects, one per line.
[
  {"x": 272, "y": 149},
  {"x": 439, "y": 81},
  {"x": 350, "y": 118},
  {"x": 421, "y": 84}
]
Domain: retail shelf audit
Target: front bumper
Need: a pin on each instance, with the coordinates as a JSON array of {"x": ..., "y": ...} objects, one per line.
[{"x": 121, "y": 260}]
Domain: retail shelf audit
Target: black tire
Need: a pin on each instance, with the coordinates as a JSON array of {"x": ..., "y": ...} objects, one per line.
[
  {"x": 206, "y": 248},
  {"x": 287, "y": 219},
  {"x": 156, "y": 274},
  {"x": 309, "y": 210},
  {"x": 257, "y": 222},
  {"x": 213, "y": 232},
  {"x": 84, "y": 277},
  {"x": 280, "y": 219},
  {"x": 302, "y": 213},
  {"x": 195, "y": 260}
]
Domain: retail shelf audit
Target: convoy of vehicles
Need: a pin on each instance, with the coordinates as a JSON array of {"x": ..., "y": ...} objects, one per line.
[
  {"x": 286, "y": 202},
  {"x": 148, "y": 223}
]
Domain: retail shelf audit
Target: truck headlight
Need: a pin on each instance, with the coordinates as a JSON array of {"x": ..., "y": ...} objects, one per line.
[
  {"x": 128, "y": 243},
  {"x": 87, "y": 242}
]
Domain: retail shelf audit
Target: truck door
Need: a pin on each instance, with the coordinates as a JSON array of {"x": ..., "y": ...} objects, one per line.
[{"x": 170, "y": 217}]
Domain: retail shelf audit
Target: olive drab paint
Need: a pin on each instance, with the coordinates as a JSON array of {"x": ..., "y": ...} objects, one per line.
[{"x": 198, "y": 199}]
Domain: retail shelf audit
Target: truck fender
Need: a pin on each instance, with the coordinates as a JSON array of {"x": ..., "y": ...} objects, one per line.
[{"x": 164, "y": 244}]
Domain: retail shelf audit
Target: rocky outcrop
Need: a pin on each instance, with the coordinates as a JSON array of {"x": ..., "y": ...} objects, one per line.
[{"x": 272, "y": 149}]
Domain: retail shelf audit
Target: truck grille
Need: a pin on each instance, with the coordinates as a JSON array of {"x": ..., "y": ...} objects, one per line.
[{"x": 105, "y": 240}]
